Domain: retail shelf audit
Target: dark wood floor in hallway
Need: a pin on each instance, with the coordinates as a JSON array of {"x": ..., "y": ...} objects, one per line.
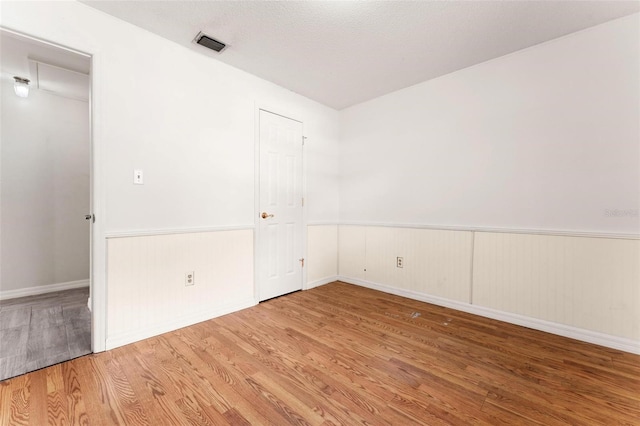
[{"x": 337, "y": 354}]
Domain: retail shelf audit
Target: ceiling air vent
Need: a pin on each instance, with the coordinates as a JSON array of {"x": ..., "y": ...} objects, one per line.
[{"x": 209, "y": 42}]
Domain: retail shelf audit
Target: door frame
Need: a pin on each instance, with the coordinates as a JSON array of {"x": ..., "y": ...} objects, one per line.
[
  {"x": 98, "y": 209},
  {"x": 97, "y": 241},
  {"x": 257, "y": 237}
]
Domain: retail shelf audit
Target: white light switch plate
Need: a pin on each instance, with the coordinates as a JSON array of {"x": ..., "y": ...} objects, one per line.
[{"x": 138, "y": 178}]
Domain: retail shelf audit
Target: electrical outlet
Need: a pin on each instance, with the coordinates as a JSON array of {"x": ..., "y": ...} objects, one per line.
[
  {"x": 399, "y": 262},
  {"x": 189, "y": 278}
]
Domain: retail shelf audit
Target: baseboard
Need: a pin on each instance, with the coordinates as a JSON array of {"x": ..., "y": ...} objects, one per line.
[
  {"x": 606, "y": 340},
  {"x": 320, "y": 282},
  {"x": 43, "y": 289},
  {"x": 165, "y": 327}
]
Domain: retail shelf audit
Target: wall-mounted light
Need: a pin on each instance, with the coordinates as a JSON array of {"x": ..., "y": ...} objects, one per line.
[{"x": 21, "y": 86}]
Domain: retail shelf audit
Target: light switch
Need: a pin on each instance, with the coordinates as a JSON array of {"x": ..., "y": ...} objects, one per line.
[{"x": 137, "y": 177}]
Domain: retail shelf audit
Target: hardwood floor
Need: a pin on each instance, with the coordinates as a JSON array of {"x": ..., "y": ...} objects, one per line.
[
  {"x": 337, "y": 354},
  {"x": 38, "y": 331}
]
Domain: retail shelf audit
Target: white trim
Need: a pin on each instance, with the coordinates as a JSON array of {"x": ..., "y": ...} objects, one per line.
[
  {"x": 280, "y": 110},
  {"x": 607, "y": 340},
  {"x": 98, "y": 292},
  {"x": 98, "y": 250},
  {"x": 471, "y": 263},
  {"x": 256, "y": 202},
  {"x": 304, "y": 225},
  {"x": 174, "y": 324},
  {"x": 320, "y": 282},
  {"x": 169, "y": 231},
  {"x": 41, "y": 41},
  {"x": 550, "y": 232},
  {"x": 42, "y": 289}
]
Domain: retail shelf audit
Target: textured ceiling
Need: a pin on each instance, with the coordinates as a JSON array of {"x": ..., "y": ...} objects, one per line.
[{"x": 341, "y": 53}]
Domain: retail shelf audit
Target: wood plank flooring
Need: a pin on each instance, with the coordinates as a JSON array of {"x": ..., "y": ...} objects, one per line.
[
  {"x": 337, "y": 354},
  {"x": 38, "y": 331}
]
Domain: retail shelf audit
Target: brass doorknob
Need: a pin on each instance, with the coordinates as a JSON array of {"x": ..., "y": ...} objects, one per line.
[{"x": 266, "y": 215}]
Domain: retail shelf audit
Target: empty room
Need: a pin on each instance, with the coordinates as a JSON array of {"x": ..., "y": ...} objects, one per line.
[{"x": 322, "y": 212}]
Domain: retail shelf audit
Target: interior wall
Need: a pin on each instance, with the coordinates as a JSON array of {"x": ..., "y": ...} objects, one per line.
[
  {"x": 45, "y": 191},
  {"x": 546, "y": 141},
  {"x": 146, "y": 301},
  {"x": 580, "y": 287},
  {"x": 183, "y": 118},
  {"x": 433, "y": 262},
  {"x": 542, "y": 139},
  {"x": 590, "y": 283},
  {"x": 322, "y": 254},
  {"x": 188, "y": 122}
]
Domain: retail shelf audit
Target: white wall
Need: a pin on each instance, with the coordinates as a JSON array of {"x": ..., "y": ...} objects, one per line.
[
  {"x": 542, "y": 139},
  {"x": 187, "y": 121},
  {"x": 183, "y": 118},
  {"x": 45, "y": 191},
  {"x": 193, "y": 137},
  {"x": 545, "y": 140}
]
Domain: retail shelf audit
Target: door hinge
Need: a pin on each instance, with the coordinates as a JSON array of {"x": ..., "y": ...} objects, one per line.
[
  {"x": 302, "y": 201},
  {"x": 303, "y": 139},
  {"x": 302, "y": 261}
]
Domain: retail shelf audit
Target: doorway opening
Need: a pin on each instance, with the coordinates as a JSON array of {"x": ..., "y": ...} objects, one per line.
[{"x": 46, "y": 205}]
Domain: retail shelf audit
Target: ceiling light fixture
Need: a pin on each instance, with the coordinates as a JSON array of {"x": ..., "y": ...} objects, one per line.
[
  {"x": 211, "y": 43},
  {"x": 21, "y": 86}
]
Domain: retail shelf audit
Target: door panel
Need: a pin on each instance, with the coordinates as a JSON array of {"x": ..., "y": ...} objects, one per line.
[{"x": 280, "y": 239}]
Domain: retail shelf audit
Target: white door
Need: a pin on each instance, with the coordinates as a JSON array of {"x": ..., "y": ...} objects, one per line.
[{"x": 280, "y": 216}]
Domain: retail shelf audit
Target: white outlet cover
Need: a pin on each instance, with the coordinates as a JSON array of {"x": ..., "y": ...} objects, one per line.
[{"x": 189, "y": 278}]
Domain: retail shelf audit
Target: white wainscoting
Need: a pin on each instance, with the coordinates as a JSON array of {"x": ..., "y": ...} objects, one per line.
[
  {"x": 322, "y": 255},
  {"x": 146, "y": 292},
  {"x": 580, "y": 287},
  {"x": 589, "y": 283},
  {"x": 42, "y": 289},
  {"x": 434, "y": 262},
  {"x": 352, "y": 251}
]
